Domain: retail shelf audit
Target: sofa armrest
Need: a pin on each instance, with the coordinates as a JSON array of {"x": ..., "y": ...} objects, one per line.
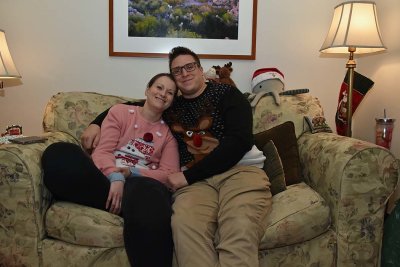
[
  {"x": 23, "y": 200},
  {"x": 356, "y": 178}
]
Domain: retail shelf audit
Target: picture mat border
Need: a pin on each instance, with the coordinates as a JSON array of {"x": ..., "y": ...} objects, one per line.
[{"x": 122, "y": 45}]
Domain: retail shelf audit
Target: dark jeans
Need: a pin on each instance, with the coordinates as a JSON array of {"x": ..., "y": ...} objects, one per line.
[{"x": 71, "y": 175}]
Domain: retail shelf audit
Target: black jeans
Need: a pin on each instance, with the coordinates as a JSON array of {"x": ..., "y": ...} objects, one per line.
[{"x": 71, "y": 175}]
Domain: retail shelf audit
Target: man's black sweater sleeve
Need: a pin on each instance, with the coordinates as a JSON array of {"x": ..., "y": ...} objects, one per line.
[{"x": 236, "y": 142}]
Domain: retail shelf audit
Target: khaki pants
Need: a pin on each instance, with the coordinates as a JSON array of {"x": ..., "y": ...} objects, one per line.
[{"x": 220, "y": 221}]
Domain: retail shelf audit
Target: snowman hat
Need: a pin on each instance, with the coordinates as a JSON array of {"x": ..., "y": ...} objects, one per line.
[{"x": 264, "y": 74}]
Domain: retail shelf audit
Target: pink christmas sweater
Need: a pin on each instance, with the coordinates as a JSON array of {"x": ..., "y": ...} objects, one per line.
[{"x": 129, "y": 140}]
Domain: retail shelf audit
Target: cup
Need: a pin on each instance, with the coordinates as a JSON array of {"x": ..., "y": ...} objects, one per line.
[{"x": 384, "y": 131}]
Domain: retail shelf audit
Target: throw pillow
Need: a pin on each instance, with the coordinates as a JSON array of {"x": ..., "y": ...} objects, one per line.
[
  {"x": 284, "y": 138},
  {"x": 317, "y": 124},
  {"x": 273, "y": 168}
]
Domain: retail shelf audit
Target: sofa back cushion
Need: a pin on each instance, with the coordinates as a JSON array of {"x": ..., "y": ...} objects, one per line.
[
  {"x": 72, "y": 112},
  {"x": 267, "y": 114},
  {"x": 284, "y": 139}
]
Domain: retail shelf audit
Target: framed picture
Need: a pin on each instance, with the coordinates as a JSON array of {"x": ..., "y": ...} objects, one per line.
[{"x": 217, "y": 29}]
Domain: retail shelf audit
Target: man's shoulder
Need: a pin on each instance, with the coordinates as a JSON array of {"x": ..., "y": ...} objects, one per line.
[
  {"x": 219, "y": 86},
  {"x": 223, "y": 89},
  {"x": 225, "y": 92}
]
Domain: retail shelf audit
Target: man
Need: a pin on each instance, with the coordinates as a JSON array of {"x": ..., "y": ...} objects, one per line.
[{"x": 222, "y": 195}]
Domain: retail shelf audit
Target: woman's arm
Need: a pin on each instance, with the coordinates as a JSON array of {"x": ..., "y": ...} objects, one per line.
[{"x": 103, "y": 155}]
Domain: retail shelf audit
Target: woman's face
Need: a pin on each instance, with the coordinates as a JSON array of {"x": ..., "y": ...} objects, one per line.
[{"x": 161, "y": 93}]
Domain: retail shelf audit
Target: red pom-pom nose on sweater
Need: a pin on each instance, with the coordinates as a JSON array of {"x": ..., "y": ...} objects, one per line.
[
  {"x": 148, "y": 137},
  {"x": 197, "y": 141}
]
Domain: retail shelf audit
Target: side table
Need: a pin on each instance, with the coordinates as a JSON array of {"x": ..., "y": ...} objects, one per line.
[{"x": 6, "y": 139}]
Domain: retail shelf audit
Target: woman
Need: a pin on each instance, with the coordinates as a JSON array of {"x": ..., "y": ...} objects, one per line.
[{"x": 135, "y": 144}]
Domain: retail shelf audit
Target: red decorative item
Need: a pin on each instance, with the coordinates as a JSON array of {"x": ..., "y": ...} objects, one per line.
[
  {"x": 197, "y": 141},
  {"x": 361, "y": 86},
  {"x": 13, "y": 130},
  {"x": 148, "y": 137}
]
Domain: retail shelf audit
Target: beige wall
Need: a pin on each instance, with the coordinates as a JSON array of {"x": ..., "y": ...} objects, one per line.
[{"x": 62, "y": 45}]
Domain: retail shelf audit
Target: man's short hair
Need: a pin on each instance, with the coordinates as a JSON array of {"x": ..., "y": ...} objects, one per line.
[{"x": 180, "y": 50}]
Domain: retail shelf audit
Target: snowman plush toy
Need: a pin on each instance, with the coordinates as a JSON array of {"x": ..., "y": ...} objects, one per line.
[{"x": 269, "y": 81}]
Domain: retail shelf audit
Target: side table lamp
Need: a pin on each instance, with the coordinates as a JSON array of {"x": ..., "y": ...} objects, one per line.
[
  {"x": 354, "y": 30},
  {"x": 7, "y": 66},
  {"x": 7, "y": 71}
]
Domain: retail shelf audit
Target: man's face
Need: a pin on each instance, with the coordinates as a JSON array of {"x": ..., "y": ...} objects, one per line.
[{"x": 189, "y": 77}]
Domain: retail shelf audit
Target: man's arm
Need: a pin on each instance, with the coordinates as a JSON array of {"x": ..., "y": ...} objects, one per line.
[
  {"x": 91, "y": 135},
  {"x": 100, "y": 118}
]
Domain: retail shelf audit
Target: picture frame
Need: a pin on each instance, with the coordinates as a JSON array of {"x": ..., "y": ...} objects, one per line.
[{"x": 122, "y": 45}]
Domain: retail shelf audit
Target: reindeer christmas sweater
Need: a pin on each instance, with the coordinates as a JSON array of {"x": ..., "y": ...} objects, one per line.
[{"x": 224, "y": 115}]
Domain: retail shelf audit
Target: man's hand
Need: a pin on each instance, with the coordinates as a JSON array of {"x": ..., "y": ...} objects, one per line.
[
  {"x": 114, "y": 199},
  {"x": 176, "y": 180},
  {"x": 90, "y": 137}
]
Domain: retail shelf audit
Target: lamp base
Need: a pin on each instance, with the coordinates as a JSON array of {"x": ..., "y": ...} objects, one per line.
[{"x": 351, "y": 65}]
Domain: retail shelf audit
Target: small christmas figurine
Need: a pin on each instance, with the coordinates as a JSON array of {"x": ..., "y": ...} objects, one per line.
[{"x": 13, "y": 130}]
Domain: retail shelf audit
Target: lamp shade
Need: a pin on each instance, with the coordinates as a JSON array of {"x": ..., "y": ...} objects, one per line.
[
  {"x": 7, "y": 66},
  {"x": 354, "y": 24}
]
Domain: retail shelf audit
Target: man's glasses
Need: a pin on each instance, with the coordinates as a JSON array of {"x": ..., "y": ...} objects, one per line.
[{"x": 188, "y": 67}]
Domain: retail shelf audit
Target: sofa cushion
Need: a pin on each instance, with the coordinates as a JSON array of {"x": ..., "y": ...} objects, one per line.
[
  {"x": 71, "y": 112},
  {"x": 298, "y": 214},
  {"x": 285, "y": 140},
  {"x": 86, "y": 226},
  {"x": 267, "y": 114}
]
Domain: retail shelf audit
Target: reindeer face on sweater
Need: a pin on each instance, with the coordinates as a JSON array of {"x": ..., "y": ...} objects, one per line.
[{"x": 200, "y": 142}]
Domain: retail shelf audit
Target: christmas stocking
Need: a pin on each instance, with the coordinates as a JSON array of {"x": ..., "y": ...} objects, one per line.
[{"x": 361, "y": 86}]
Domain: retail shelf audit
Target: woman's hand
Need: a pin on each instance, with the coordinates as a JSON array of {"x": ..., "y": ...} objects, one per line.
[{"x": 114, "y": 199}]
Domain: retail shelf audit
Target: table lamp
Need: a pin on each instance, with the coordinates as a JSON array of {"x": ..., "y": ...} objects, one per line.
[
  {"x": 7, "y": 66},
  {"x": 354, "y": 30}
]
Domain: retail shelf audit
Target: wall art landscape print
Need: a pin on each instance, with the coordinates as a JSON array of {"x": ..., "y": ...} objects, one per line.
[
  {"x": 184, "y": 19},
  {"x": 211, "y": 28}
]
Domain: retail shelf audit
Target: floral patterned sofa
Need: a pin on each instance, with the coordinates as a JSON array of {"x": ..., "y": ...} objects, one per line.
[{"x": 333, "y": 218}]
